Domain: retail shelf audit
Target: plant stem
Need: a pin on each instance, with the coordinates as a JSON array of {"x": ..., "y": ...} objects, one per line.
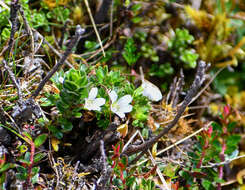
[
  {"x": 222, "y": 158},
  {"x": 203, "y": 153},
  {"x": 29, "y": 175}
]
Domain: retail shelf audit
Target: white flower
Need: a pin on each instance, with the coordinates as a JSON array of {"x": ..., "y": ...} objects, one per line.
[
  {"x": 61, "y": 80},
  {"x": 151, "y": 91},
  {"x": 121, "y": 106},
  {"x": 93, "y": 103}
]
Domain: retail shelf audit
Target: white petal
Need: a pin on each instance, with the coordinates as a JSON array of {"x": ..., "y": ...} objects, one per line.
[
  {"x": 93, "y": 93},
  {"x": 99, "y": 101},
  {"x": 113, "y": 96},
  {"x": 125, "y": 100},
  {"x": 88, "y": 104},
  {"x": 151, "y": 91},
  {"x": 126, "y": 108},
  {"x": 120, "y": 114},
  {"x": 96, "y": 108},
  {"x": 61, "y": 79}
]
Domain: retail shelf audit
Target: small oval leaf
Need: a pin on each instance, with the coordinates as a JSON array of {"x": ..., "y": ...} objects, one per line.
[{"x": 40, "y": 140}]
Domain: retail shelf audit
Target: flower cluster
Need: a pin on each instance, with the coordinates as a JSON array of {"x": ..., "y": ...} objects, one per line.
[{"x": 118, "y": 106}]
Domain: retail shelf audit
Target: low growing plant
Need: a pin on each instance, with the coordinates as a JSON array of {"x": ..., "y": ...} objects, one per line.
[
  {"x": 216, "y": 146},
  {"x": 99, "y": 90}
]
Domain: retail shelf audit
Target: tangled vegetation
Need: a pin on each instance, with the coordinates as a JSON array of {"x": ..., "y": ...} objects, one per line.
[{"x": 122, "y": 94}]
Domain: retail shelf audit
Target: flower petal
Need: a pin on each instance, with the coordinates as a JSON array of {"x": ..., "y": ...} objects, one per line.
[
  {"x": 99, "y": 101},
  {"x": 96, "y": 108},
  {"x": 124, "y": 100},
  {"x": 126, "y": 108},
  {"x": 91, "y": 105},
  {"x": 114, "y": 108},
  {"x": 93, "y": 93},
  {"x": 113, "y": 96},
  {"x": 120, "y": 114},
  {"x": 151, "y": 91},
  {"x": 87, "y": 104}
]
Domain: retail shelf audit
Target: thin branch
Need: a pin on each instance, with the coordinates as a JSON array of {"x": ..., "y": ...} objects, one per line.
[{"x": 72, "y": 44}]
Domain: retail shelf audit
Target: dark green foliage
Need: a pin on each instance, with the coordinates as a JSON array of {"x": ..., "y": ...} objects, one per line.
[
  {"x": 180, "y": 49},
  {"x": 130, "y": 53}
]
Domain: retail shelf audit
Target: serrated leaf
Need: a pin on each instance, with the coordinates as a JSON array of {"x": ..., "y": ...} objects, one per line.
[{"x": 40, "y": 140}]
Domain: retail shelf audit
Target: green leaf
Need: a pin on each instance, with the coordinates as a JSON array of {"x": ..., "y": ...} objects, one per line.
[
  {"x": 100, "y": 74},
  {"x": 207, "y": 184},
  {"x": 136, "y": 7},
  {"x": 170, "y": 170},
  {"x": 35, "y": 170},
  {"x": 21, "y": 169},
  {"x": 21, "y": 176},
  {"x": 6, "y": 166},
  {"x": 70, "y": 85},
  {"x": 216, "y": 127},
  {"x": 231, "y": 126},
  {"x": 40, "y": 140},
  {"x": 38, "y": 157},
  {"x": 34, "y": 179},
  {"x": 56, "y": 132},
  {"x": 233, "y": 140},
  {"x": 65, "y": 125},
  {"x": 137, "y": 19},
  {"x": 89, "y": 44},
  {"x": 129, "y": 53}
]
